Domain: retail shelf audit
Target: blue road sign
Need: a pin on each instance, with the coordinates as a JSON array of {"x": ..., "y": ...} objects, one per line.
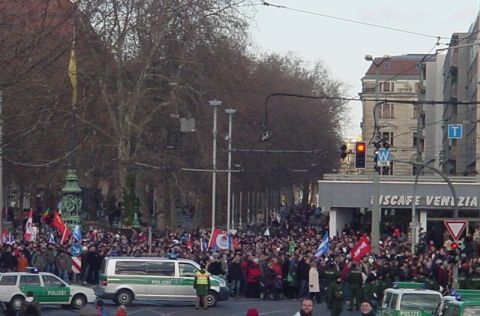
[
  {"x": 455, "y": 131},
  {"x": 76, "y": 250},
  {"x": 384, "y": 157}
]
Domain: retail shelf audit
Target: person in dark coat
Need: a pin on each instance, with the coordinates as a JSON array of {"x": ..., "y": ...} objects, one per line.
[
  {"x": 303, "y": 269},
  {"x": 235, "y": 276}
]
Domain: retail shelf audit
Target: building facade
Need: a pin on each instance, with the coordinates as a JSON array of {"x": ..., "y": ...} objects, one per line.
[{"x": 393, "y": 83}]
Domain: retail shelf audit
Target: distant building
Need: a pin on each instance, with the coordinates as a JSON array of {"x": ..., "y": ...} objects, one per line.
[{"x": 398, "y": 79}]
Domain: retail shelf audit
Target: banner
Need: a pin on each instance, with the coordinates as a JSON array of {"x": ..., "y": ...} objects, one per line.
[
  {"x": 29, "y": 234},
  {"x": 219, "y": 240},
  {"x": 361, "y": 248}
]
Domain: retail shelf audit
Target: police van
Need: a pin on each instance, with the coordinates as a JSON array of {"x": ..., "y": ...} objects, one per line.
[
  {"x": 124, "y": 279},
  {"x": 47, "y": 288},
  {"x": 415, "y": 301}
]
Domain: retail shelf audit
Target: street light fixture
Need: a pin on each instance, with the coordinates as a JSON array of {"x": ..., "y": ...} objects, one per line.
[
  {"x": 215, "y": 104},
  {"x": 230, "y": 113}
]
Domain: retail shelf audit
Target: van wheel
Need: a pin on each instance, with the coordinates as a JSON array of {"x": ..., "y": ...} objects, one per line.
[
  {"x": 212, "y": 298},
  {"x": 16, "y": 302},
  {"x": 124, "y": 297},
  {"x": 78, "y": 301}
]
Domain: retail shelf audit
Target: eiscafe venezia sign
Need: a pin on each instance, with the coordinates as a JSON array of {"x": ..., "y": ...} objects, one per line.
[{"x": 429, "y": 200}]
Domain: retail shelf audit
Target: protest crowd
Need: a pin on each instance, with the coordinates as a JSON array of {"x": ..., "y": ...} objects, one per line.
[{"x": 287, "y": 260}]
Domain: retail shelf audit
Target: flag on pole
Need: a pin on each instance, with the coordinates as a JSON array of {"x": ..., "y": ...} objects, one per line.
[
  {"x": 72, "y": 73},
  {"x": 360, "y": 249},
  {"x": 190, "y": 242},
  {"x": 324, "y": 246},
  {"x": 219, "y": 240},
  {"x": 64, "y": 235},
  {"x": 203, "y": 244},
  {"x": 77, "y": 233},
  {"x": 291, "y": 247},
  {"x": 29, "y": 235},
  {"x": 51, "y": 239}
]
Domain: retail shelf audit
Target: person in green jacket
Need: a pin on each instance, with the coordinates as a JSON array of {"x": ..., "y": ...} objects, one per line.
[{"x": 335, "y": 297}]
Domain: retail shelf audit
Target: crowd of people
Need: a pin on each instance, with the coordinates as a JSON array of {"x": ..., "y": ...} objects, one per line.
[{"x": 283, "y": 264}]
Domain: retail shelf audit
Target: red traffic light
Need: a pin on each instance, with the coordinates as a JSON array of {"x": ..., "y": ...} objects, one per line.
[
  {"x": 454, "y": 246},
  {"x": 360, "y": 147}
]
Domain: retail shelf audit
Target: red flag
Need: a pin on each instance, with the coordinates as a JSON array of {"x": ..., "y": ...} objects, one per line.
[
  {"x": 361, "y": 248},
  {"x": 235, "y": 244},
  {"x": 189, "y": 242},
  {"x": 58, "y": 223},
  {"x": 28, "y": 235},
  {"x": 219, "y": 240}
]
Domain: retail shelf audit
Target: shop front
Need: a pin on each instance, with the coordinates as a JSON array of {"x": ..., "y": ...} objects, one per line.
[{"x": 348, "y": 200}]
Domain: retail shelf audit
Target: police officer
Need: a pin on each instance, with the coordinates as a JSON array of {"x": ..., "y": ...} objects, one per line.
[
  {"x": 201, "y": 284},
  {"x": 355, "y": 280},
  {"x": 335, "y": 297}
]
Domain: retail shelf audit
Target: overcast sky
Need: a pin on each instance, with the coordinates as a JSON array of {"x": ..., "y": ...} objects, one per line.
[{"x": 342, "y": 45}]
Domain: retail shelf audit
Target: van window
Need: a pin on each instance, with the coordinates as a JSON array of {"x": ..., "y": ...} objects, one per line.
[
  {"x": 130, "y": 268},
  {"x": 393, "y": 302},
  {"x": 8, "y": 280},
  {"x": 386, "y": 299},
  {"x": 29, "y": 280},
  {"x": 187, "y": 270},
  {"x": 452, "y": 310},
  {"x": 419, "y": 301},
  {"x": 471, "y": 311},
  {"x": 161, "y": 268}
]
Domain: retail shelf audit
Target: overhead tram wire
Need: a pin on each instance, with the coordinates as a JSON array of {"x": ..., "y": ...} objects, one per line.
[{"x": 268, "y": 4}]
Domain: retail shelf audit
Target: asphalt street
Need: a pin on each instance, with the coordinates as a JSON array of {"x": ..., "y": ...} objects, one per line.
[{"x": 231, "y": 308}]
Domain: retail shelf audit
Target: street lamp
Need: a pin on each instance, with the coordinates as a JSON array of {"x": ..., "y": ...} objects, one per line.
[
  {"x": 230, "y": 113},
  {"x": 215, "y": 104},
  {"x": 375, "y": 230}
]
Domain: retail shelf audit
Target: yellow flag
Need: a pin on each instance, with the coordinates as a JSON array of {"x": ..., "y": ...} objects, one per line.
[{"x": 72, "y": 73}]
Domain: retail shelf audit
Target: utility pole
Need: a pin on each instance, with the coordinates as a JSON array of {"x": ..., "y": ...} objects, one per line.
[
  {"x": 376, "y": 216},
  {"x": 1, "y": 161},
  {"x": 215, "y": 104},
  {"x": 230, "y": 113}
]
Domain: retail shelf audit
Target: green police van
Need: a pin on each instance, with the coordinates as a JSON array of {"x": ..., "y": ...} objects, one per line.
[
  {"x": 409, "y": 302},
  {"x": 462, "y": 308},
  {"x": 47, "y": 288},
  {"x": 124, "y": 279}
]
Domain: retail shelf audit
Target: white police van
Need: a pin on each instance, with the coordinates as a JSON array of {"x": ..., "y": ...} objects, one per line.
[
  {"x": 46, "y": 287},
  {"x": 124, "y": 279}
]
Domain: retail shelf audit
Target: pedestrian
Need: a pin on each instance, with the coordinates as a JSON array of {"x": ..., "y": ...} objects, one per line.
[
  {"x": 335, "y": 297},
  {"x": 201, "y": 284},
  {"x": 101, "y": 310},
  {"x": 29, "y": 307},
  {"x": 252, "y": 312},
  {"x": 313, "y": 282},
  {"x": 121, "y": 311},
  {"x": 306, "y": 307},
  {"x": 366, "y": 309}
]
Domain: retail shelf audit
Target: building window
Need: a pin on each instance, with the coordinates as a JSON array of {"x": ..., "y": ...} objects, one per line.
[
  {"x": 388, "y": 137},
  {"x": 387, "y": 86},
  {"x": 414, "y": 140},
  {"x": 386, "y": 111}
]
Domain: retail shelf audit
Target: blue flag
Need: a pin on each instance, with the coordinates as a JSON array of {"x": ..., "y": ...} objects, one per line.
[
  {"x": 324, "y": 246},
  {"x": 77, "y": 233},
  {"x": 51, "y": 239}
]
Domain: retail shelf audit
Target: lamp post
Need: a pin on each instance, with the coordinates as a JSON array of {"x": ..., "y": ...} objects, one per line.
[
  {"x": 376, "y": 216},
  {"x": 230, "y": 113},
  {"x": 215, "y": 104}
]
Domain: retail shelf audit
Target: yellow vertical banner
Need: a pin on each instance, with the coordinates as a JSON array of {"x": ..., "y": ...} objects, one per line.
[{"x": 72, "y": 73}]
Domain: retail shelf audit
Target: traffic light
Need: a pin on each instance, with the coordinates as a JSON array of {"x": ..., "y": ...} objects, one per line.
[
  {"x": 343, "y": 152},
  {"x": 360, "y": 155}
]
